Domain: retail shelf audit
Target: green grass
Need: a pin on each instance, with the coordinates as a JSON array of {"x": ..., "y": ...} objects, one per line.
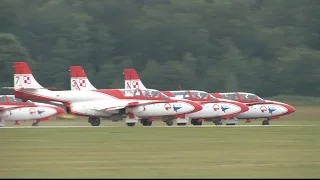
[{"x": 115, "y": 152}]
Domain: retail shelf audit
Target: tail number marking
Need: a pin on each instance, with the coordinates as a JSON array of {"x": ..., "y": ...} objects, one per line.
[
  {"x": 81, "y": 83},
  {"x": 133, "y": 85},
  {"x": 26, "y": 79}
]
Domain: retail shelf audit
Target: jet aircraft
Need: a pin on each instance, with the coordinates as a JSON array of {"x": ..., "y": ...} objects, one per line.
[
  {"x": 212, "y": 107},
  {"x": 258, "y": 108},
  {"x": 13, "y": 109},
  {"x": 132, "y": 103}
]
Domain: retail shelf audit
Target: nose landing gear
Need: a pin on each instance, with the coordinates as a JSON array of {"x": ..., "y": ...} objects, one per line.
[
  {"x": 36, "y": 123},
  {"x": 265, "y": 122}
]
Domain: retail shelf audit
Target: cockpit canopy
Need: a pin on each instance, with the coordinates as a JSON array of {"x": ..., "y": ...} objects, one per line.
[
  {"x": 10, "y": 99},
  {"x": 145, "y": 93},
  {"x": 241, "y": 96},
  {"x": 194, "y": 95}
]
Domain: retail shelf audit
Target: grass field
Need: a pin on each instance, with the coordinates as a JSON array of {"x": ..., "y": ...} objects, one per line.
[{"x": 155, "y": 152}]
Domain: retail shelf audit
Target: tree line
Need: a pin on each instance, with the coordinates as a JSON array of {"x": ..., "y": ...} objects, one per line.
[{"x": 259, "y": 46}]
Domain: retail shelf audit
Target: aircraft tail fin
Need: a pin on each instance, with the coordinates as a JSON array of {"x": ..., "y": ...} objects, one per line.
[
  {"x": 132, "y": 79},
  {"x": 79, "y": 80},
  {"x": 23, "y": 78}
]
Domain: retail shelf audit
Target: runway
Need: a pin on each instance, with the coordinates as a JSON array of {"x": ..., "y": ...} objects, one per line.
[{"x": 188, "y": 126}]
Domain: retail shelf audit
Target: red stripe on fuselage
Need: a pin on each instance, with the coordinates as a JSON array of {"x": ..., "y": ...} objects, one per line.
[{"x": 35, "y": 96}]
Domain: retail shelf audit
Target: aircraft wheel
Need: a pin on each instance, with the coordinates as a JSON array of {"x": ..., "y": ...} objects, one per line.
[
  {"x": 169, "y": 123},
  {"x": 146, "y": 122},
  {"x": 196, "y": 122},
  {"x": 90, "y": 119},
  {"x": 217, "y": 122},
  {"x": 95, "y": 121},
  {"x": 98, "y": 121},
  {"x": 131, "y": 124},
  {"x": 143, "y": 122},
  {"x": 181, "y": 124},
  {"x": 265, "y": 122}
]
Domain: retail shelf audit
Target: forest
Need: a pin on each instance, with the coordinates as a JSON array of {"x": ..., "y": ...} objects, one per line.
[{"x": 267, "y": 47}]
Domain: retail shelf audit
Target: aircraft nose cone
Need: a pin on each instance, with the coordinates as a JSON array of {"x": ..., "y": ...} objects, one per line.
[
  {"x": 291, "y": 109},
  {"x": 197, "y": 106},
  {"x": 59, "y": 110}
]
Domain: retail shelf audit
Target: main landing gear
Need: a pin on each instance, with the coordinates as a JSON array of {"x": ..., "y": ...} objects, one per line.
[
  {"x": 36, "y": 123},
  {"x": 228, "y": 121},
  {"x": 94, "y": 121},
  {"x": 146, "y": 122},
  {"x": 217, "y": 121},
  {"x": 196, "y": 122},
  {"x": 169, "y": 122}
]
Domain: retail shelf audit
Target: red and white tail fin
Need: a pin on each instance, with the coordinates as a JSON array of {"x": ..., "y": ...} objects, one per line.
[
  {"x": 79, "y": 80},
  {"x": 23, "y": 78},
  {"x": 132, "y": 79}
]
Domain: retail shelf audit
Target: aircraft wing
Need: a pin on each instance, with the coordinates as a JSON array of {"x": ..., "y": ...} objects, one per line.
[
  {"x": 114, "y": 105},
  {"x": 28, "y": 89}
]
